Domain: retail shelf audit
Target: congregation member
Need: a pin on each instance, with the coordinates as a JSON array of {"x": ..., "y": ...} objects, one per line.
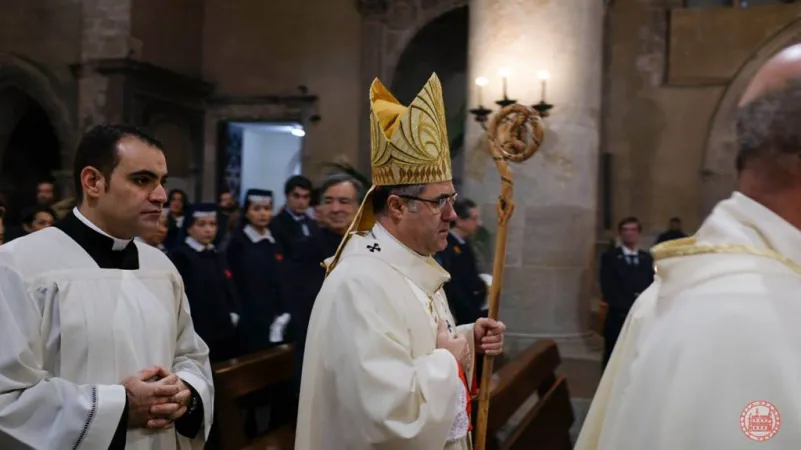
[
  {"x": 257, "y": 267},
  {"x": 177, "y": 203},
  {"x": 292, "y": 224},
  {"x": 466, "y": 291},
  {"x": 98, "y": 346},
  {"x": 155, "y": 237},
  {"x": 626, "y": 272},
  {"x": 208, "y": 283},
  {"x": 340, "y": 195}
]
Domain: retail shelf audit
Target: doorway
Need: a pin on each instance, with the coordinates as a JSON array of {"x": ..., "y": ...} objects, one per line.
[
  {"x": 29, "y": 148},
  {"x": 259, "y": 155}
]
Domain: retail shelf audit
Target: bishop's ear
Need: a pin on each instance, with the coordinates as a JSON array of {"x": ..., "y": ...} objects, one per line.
[
  {"x": 395, "y": 206},
  {"x": 93, "y": 182}
]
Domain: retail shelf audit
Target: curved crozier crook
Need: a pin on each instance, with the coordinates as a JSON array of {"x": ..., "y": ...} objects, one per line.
[
  {"x": 507, "y": 135},
  {"x": 508, "y": 130}
]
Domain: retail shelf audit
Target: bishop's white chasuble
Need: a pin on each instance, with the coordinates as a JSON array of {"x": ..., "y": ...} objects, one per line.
[
  {"x": 710, "y": 355},
  {"x": 70, "y": 332},
  {"x": 372, "y": 375}
]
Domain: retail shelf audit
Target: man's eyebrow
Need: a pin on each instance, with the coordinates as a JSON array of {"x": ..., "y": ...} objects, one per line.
[{"x": 146, "y": 173}]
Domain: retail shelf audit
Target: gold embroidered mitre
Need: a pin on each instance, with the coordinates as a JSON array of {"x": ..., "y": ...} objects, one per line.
[{"x": 409, "y": 145}]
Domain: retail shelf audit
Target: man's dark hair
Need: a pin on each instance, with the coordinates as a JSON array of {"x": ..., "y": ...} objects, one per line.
[
  {"x": 627, "y": 221},
  {"x": 98, "y": 149},
  {"x": 339, "y": 178},
  {"x": 462, "y": 207},
  {"x": 29, "y": 214},
  {"x": 768, "y": 127},
  {"x": 297, "y": 181}
]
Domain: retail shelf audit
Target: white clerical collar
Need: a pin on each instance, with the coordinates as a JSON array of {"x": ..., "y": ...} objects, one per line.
[
  {"x": 457, "y": 237},
  {"x": 254, "y": 235},
  {"x": 629, "y": 252},
  {"x": 118, "y": 244},
  {"x": 197, "y": 246},
  {"x": 764, "y": 225},
  {"x": 424, "y": 271}
]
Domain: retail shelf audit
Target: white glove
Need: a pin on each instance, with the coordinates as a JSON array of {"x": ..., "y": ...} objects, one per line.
[{"x": 278, "y": 327}]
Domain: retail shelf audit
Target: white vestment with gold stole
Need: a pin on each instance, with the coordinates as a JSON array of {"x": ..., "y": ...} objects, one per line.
[
  {"x": 372, "y": 375},
  {"x": 709, "y": 355}
]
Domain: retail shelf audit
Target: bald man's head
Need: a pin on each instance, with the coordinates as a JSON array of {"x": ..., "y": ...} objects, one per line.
[
  {"x": 774, "y": 74},
  {"x": 768, "y": 119}
]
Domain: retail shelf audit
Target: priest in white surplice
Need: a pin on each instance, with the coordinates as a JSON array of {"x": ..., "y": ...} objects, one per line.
[
  {"x": 97, "y": 348},
  {"x": 384, "y": 366},
  {"x": 710, "y": 355}
]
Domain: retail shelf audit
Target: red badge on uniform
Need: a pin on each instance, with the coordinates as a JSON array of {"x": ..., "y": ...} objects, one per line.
[
  {"x": 228, "y": 274},
  {"x": 279, "y": 257}
]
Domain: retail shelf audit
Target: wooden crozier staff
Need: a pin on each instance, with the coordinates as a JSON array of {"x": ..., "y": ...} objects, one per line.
[{"x": 508, "y": 132}]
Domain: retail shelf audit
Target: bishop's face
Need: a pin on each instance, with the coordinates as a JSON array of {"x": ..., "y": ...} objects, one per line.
[
  {"x": 132, "y": 200},
  {"x": 427, "y": 224}
]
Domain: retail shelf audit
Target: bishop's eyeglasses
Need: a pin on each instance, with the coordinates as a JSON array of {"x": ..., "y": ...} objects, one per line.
[{"x": 439, "y": 202}]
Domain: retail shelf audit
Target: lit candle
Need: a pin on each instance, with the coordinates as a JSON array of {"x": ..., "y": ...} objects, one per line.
[
  {"x": 544, "y": 75},
  {"x": 504, "y": 73},
  {"x": 481, "y": 82}
]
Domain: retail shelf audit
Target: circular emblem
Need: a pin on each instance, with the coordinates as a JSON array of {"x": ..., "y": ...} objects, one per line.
[{"x": 760, "y": 420}]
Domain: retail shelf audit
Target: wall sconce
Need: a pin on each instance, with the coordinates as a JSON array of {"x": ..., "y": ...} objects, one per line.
[
  {"x": 482, "y": 114},
  {"x": 543, "y": 107}
]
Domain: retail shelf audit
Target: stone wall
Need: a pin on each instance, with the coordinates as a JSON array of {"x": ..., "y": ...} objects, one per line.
[
  {"x": 168, "y": 33},
  {"x": 261, "y": 48},
  {"x": 665, "y": 122}
]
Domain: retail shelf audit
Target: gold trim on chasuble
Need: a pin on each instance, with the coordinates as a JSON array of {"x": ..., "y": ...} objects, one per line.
[
  {"x": 688, "y": 247},
  {"x": 408, "y": 145}
]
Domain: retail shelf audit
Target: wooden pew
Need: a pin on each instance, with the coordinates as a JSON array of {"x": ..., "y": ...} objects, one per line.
[
  {"x": 547, "y": 425},
  {"x": 236, "y": 378}
]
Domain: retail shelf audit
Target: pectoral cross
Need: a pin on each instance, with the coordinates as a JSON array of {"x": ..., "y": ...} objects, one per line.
[{"x": 374, "y": 248}]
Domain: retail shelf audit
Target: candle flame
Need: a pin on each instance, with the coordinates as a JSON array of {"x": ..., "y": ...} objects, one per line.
[
  {"x": 544, "y": 75},
  {"x": 482, "y": 81},
  {"x": 504, "y": 72}
]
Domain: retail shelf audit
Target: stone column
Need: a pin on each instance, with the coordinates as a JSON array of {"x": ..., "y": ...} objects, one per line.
[
  {"x": 106, "y": 34},
  {"x": 549, "y": 259}
]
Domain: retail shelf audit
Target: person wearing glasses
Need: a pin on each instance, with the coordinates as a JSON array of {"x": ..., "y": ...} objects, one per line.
[{"x": 385, "y": 365}]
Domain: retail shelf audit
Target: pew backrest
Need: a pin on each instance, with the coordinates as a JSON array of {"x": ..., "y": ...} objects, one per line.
[
  {"x": 236, "y": 378},
  {"x": 545, "y": 426}
]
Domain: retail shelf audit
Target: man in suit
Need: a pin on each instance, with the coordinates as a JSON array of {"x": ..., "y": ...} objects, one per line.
[
  {"x": 466, "y": 291},
  {"x": 626, "y": 271},
  {"x": 292, "y": 224}
]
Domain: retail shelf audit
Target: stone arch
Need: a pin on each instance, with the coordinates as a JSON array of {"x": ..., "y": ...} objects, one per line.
[
  {"x": 36, "y": 82},
  {"x": 718, "y": 172},
  {"x": 404, "y": 19},
  {"x": 387, "y": 28}
]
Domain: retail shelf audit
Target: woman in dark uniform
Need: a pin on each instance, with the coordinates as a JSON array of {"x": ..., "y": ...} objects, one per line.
[
  {"x": 256, "y": 264},
  {"x": 208, "y": 283}
]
